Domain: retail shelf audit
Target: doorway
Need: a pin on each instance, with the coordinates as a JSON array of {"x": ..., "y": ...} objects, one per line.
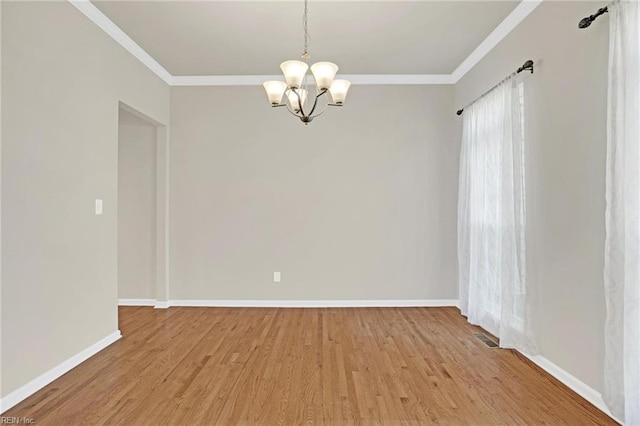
[{"x": 141, "y": 210}]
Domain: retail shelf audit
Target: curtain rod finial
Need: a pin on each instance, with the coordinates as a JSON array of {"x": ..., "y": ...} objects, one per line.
[
  {"x": 586, "y": 22},
  {"x": 526, "y": 66}
]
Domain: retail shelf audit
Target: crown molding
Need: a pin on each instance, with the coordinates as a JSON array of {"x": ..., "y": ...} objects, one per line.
[
  {"x": 222, "y": 80},
  {"x": 360, "y": 79},
  {"x": 376, "y": 79},
  {"x": 107, "y": 25},
  {"x": 512, "y": 20},
  {"x": 497, "y": 35}
]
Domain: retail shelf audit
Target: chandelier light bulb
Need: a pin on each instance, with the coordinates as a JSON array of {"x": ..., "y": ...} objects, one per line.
[
  {"x": 294, "y": 72},
  {"x": 324, "y": 72},
  {"x": 275, "y": 90},
  {"x": 338, "y": 90}
]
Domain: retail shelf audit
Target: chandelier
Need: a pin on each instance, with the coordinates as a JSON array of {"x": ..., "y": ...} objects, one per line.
[{"x": 296, "y": 91}]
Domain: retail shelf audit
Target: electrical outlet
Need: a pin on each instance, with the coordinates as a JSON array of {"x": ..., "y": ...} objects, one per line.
[{"x": 276, "y": 277}]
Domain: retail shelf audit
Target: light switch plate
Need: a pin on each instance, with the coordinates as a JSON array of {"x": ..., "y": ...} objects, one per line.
[
  {"x": 98, "y": 207},
  {"x": 276, "y": 277}
]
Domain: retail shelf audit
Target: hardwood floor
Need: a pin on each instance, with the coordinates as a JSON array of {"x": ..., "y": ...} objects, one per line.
[{"x": 255, "y": 366}]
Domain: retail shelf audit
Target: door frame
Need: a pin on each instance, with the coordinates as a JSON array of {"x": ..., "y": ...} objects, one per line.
[{"x": 162, "y": 207}]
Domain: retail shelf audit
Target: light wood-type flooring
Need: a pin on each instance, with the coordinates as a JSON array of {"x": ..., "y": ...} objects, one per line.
[{"x": 260, "y": 366}]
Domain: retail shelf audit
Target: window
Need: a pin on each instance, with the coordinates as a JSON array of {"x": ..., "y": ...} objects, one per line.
[{"x": 491, "y": 215}]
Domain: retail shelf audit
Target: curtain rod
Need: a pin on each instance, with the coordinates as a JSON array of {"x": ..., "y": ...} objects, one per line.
[
  {"x": 526, "y": 66},
  {"x": 584, "y": 23}
]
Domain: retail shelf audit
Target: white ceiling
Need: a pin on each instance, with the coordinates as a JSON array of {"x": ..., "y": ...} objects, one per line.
[{"x": 362, "y": 37}]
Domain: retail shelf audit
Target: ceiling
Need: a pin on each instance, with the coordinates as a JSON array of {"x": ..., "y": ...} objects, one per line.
[{"x": 208, "y": 38}]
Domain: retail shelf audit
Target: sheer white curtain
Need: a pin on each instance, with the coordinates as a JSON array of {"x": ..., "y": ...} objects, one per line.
[
  {"x": 491, "y": 217},
  {"x": 622, "y": 245}
]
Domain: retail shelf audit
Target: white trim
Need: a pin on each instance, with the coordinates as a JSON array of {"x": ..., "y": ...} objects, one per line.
[
  {"x": 38, "y": 383},
  {"x": 136, "y": 302},
  {"x": 142, "y": 116},
  {"x": 107, "y": 25},
  {"x": 222, "y": 80},
  {"x": 516, "y": 16},
  {"x": 579, "y": 387},
  {"x": 290, "y": 303},
  {"x": 360, "y": 79},
  {"x": 314, "y": 303},
  {"x": 497, "y": 35},
  {"x": 161, "y": 305},
  {"x": 163, "y": 213},
  {"x": 393, "y": 79}
]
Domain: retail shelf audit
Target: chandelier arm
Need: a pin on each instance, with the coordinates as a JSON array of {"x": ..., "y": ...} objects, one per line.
[
  {"x": 321, "y": 112},
  {"x": 315, "y": 102},
  {"x": 299, "y": 101}
]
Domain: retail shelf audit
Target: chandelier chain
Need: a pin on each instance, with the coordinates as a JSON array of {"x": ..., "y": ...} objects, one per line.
[{"x": 305, "y": 25}]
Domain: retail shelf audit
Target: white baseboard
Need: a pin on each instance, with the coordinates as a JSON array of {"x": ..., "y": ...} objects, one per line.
[
  {"x": 241, "y": 303},
  {"x": 160, "y": 305},
  {"x": 136, "y": 302},
  {"x": 39, "y": 382},
  {"x": 314, "y": 303},
  {"x": 575, "y": 384}
]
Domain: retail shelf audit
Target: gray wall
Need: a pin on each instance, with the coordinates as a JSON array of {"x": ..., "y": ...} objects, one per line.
[
  {"x": 565, "y": 127},
  {"x": 359, "y": 204},
  {"x": 63, "y": 78},
  {"x": 136, "y": 208}
]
